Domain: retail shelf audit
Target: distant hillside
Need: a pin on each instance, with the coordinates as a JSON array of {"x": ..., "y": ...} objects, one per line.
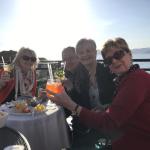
[
  {"x": 137, "y": 53},
  {"x": 141, "y": 50}
]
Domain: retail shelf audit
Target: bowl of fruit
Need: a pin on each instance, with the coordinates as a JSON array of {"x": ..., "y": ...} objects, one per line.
[
  {"x": 40, "y": 108},
  {"x": 22, "y": 107}
]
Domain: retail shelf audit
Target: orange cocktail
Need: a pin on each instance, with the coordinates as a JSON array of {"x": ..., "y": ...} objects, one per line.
[{"x": 54, "y": 86}]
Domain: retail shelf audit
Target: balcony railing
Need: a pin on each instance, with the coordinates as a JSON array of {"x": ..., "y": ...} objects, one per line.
[
  {"x": 144, "y": 63},
  {"x": 44, "y": 67}
]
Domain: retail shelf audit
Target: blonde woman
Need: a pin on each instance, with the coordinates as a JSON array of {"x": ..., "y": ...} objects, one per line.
[
  {"x": 93, "y": 89},
  {"x": 22, "y": 81}
]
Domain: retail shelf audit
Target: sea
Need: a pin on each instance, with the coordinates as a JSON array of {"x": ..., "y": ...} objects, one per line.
[{"x": 140, "y": 53}]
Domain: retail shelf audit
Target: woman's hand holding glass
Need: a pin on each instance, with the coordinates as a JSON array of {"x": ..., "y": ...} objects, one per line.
[
  {"x": 61, "y": 99},
  {"x": 54, "y": 85}
]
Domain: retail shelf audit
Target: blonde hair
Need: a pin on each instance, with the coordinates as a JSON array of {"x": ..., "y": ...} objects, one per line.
[
  {"x": 82, "y": 42},
  {"x": 20, "y": 53}
]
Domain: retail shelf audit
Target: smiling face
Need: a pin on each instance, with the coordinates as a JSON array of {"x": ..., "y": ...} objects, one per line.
[
  {"x": 70, "y": 59},
  {"x": 27, "y": 60},
  {"x": 86, "y": 52},
  {"x": 120, "y": 64}
]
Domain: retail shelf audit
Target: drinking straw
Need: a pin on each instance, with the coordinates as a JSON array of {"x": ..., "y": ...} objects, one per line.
[
  {"x": 50, "y": 71},
  {"x": 3, "y": 61}
]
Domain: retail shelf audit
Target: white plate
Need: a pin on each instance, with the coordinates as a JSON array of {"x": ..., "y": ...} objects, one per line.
[
  {"x": 51, "y": 107},
  {"x": 13, "y": 111}
]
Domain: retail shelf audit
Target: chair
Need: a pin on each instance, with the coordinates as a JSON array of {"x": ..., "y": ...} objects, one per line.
[{"x": 9, "y": 136}]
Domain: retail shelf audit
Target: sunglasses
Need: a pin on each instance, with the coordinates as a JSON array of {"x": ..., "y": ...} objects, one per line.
[
  {"x": 27, "y": 58},
  {"x": 117, "y": 55}
]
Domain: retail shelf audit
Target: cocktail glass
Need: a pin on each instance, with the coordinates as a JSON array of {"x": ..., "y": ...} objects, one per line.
[
  {"x": 54, "y": 86},
  {"x": 8, "y": 68}
]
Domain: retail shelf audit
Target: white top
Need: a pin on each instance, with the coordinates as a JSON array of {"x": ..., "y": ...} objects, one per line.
[
  {"x": 94, "y": 96},
  {"x": 95, "y": 100}
]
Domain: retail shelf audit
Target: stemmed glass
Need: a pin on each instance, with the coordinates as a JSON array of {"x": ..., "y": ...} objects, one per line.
[{"x": 54, "y": 85}]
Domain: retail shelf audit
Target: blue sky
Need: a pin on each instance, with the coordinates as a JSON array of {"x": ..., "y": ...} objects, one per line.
[{"x": 47, "y": 26}]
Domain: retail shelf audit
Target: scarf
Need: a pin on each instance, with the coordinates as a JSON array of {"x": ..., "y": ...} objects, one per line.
[
  {"x": 24, "y": 84},
  {"x": 118, "y": 79}
]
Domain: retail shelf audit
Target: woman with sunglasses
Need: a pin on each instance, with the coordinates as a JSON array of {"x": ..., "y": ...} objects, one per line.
[
  {"x": 129, "y": 113},
  {"x": 21, "y": 80}
]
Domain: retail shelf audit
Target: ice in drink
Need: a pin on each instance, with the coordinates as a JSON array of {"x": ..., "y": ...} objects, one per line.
[{"x": 54, "y": 86}]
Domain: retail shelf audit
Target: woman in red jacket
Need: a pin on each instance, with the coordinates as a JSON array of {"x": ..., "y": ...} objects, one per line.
[
  {"x": 21, "y": 80},
  {"x": 129, "y": 113}
]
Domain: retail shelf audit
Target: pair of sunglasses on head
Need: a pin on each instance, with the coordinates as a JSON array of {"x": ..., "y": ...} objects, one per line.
[
  {"x": 117, "y": 55},
  {"x": 27, "y": 58}
]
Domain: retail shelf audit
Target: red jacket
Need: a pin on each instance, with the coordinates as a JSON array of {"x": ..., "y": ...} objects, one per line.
[
  {"x": 129, "y": 112},
  {"x": 10, "y": 85}
]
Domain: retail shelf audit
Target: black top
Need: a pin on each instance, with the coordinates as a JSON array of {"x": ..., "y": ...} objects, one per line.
[
  {"x": 80, "y": 91},
  {"x": 105, "y": 83}
]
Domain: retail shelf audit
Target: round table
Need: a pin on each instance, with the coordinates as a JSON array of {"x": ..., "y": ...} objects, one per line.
[{"x": 44, "y": 131}]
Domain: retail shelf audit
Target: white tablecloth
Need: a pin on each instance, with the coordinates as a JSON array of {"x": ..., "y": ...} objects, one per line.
[{"x": 44, "y": 131}]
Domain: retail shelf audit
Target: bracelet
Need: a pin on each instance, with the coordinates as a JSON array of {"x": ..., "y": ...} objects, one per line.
[
  {"x": 74, "y": 112},
  {"x": 75, "y": 109}
]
